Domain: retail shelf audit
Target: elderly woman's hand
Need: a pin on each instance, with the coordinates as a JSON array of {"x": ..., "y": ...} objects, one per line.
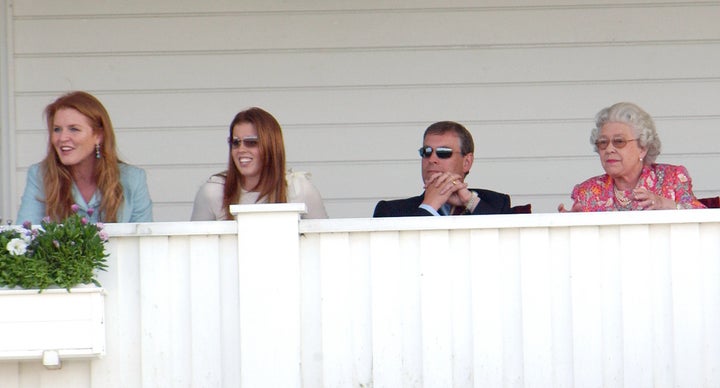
[
  {"x": 575, "y": 208},
  {"x": 651, "y": 201}
]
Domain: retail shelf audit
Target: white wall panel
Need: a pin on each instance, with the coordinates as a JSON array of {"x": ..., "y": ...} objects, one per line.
[
  {"x": 354, "y": 85},
  {"x": 340, "y": 105},
  {"x": 363, "y": 67},
  {"x": 386, "y": 142},
  {"x": 129, "y": 7},
  {"x": 358, "y": 29}
]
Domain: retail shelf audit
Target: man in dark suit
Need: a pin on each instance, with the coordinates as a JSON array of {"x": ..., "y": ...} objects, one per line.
[{"x": 447, "y": 155}]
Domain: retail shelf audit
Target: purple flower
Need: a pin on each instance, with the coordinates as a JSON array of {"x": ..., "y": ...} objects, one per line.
[
  {"x": 100, "y": 226},
  {"x": 90, "y": 211},
  {"x": 27, "y": 225},
  {"x": 27, "y": 236},
  {"x": 75, "y": 208},
  {"x": 84, "y": 221},
  {"x": 103, "y": 235},
  {"x": 46, "y": 219}
]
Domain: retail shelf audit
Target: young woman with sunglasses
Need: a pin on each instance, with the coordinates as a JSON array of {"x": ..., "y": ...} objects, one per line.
[
  {"x": 628, "y": 144},
  {"x": 81, "y": 169},
  {"x": 255, "y": 172}
]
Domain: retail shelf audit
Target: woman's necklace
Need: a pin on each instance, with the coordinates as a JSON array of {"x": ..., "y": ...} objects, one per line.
[{"x": 621, "y": 198}]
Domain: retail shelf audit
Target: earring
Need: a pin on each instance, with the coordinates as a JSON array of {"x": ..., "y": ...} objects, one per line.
[{"x": 97, "y": 151}]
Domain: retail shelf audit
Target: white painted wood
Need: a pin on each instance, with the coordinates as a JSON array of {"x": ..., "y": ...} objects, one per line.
[
  {"x": 329, "y": 68},
  {"x": 436, "y": 313},
  {"x": 535, "y": 300},
  {"x": 69, "y": 323},
  {"x": 387, "y": 286},
  {"x": 536, "y": 296},
  {"x": 354, "y": 86},
  {"x": 269, "y": 281},
  {"x": 562, "y": 300},
  {"x": 131, "y": 7},
  {"x": 336, "y": 311},
  {"x": 359, "y": 29}
]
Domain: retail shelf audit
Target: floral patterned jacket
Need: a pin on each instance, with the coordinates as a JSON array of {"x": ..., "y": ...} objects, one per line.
[{"x": 597, "y": 195}]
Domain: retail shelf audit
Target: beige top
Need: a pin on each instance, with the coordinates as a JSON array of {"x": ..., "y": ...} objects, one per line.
[{"x": 208, "y": 200}]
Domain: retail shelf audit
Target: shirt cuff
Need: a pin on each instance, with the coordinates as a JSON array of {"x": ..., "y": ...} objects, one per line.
[{"x": 429, "y": 209}]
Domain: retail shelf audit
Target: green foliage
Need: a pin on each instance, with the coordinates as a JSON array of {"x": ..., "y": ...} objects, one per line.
[{"x": 62, "y": 255}]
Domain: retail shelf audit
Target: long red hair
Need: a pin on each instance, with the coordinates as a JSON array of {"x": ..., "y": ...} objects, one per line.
[
  {"x": 57, "y": 178},
  {"x": 272, "y": 185}
]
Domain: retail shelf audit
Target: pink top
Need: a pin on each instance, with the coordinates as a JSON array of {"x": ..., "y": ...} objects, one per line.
[{"x": 597, "y": 194}]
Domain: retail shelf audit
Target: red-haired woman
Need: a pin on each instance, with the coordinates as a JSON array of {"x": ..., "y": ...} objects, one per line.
[
  {"x": 82, "y": 168},
  {"x": 255, "y": 173}
]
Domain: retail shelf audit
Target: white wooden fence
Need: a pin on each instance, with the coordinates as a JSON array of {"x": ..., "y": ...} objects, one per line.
[{"x": 533, "y": 300}]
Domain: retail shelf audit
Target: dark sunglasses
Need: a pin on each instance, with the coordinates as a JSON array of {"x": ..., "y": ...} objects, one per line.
[
  {"x": 441, "y": 152},
  {"x": 617, "y": 142},
  {"x": 249, "y": 141}
]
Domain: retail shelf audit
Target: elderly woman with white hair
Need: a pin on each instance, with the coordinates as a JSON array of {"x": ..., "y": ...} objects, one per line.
[{"x": 628, "y": 144}]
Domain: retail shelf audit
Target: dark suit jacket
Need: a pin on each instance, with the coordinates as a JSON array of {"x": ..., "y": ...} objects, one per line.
[{"x": 491, "y": 202}]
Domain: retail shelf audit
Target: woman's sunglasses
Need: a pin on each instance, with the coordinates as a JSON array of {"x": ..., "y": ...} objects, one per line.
[
  {"x": 249, "y": 141},
  {"x": 617, "y": 142},
  {"x": 441, "y": 152}
]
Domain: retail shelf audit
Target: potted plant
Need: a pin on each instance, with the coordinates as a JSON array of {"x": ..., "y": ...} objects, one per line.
[
  {"x": 45, "y": 314},
  {"x": 55, "y": 254}
]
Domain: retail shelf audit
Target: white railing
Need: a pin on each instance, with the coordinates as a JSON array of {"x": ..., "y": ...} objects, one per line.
[{"x": 532, "y": 300}]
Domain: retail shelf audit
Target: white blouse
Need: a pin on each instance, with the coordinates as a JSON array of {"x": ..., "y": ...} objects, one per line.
[{"x": 209, "y": 198}]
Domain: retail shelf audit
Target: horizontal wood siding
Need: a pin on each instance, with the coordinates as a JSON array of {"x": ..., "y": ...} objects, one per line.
[{"x": 355, "y": 85}]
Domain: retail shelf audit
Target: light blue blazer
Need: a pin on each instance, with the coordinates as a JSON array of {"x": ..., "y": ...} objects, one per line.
[{"x": 136, "y": 208}]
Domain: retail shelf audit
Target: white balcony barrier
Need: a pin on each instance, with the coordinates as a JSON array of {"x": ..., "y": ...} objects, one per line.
[
  {"x": 51, "y": 325},
  {"x": 536, "y": 300}
]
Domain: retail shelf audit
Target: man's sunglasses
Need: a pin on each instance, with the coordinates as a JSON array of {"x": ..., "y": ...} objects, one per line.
[
  {"x": 249, "y": 141},
  {"x": 441, "y": 152},
  {"x": 617, "y": 142}
]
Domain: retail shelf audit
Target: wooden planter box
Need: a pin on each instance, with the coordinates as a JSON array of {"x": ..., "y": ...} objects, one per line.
[{"x": 52, "y": 325}]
